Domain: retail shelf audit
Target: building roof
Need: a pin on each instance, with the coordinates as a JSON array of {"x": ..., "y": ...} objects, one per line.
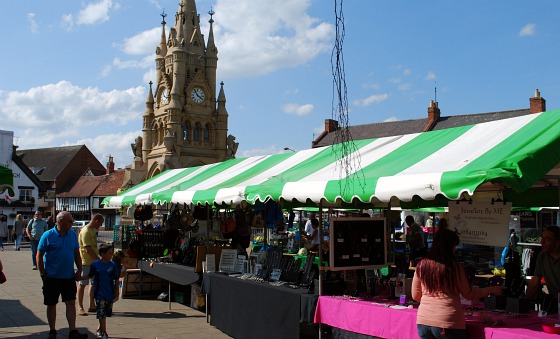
[
  {"x": 401, "y": 127},
  {"x": 111, "y": 184},
  {"x": 29, "y": 173},
  {"x": 48, "y": 163},
  {"x": 477, "y": 118},
  {"x": 88, "y": 185}
]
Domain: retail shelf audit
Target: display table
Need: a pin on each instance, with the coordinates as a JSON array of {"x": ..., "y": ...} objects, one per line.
[
  {"x": 367, "y": 318},
  {"x": 178, "y": 274},
  {"x": 248, "y": 309}
]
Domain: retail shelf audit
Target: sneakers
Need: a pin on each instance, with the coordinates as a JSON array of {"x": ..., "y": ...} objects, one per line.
[
  {"x": 52, "y": 334},
  {"x": 102, "y": 335},
  {"x": 74, "y": 334},
  {"x": 34, "y": 268}
]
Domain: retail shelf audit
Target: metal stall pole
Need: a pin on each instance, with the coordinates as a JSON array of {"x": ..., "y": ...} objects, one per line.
[
  {"x": 320, "y": 287},
  {"x": 301, "y": 228},
  {"x": 208, "y": 224}
]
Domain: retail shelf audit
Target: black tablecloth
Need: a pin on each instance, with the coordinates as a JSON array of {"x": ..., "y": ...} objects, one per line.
[
  {"x": 247, "y": 309},
  {"x": 178, "y": 274}
]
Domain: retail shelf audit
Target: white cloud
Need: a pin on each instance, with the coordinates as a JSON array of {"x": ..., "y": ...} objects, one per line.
[
  {"x": 318, "y": 130},
  {"x": 393, "y": 118},
  {"x": 371, "y": 86},
  {"x": 299, "y": 110},
  {"x": 33, "y": 26},
  {"x": 55, "y": 113},
  {"x": 147, "y": 61},
  {"x": 272, "y": 149},
  {"x": 95, "y": 13},
  {"x": 67, "y": 21},
  {"x": 528, "y": 30},
  {"x": 106, "y": 70},
  {"x": 275, "y": 34},
  {"x": 143, "y": 43},
  {"x": 372, "y": 99},
  {"x": 431, "y": 76},
  {"x": 407, "y": 72},
  {"x": 115, "y": 144},
  {"x": 395, "y": 80},
  {"x": 404, "y": 87}
]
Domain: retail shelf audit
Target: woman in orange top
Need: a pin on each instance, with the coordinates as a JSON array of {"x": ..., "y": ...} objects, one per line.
[{"x": 438, "y": 283}]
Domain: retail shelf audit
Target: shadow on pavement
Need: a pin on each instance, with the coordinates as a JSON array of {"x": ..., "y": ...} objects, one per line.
[
  {"x": 22, "y": 317},
  {"x": 158, "y": 315}
]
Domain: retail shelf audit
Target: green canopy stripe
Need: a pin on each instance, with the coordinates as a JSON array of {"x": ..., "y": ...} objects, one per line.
[{"x": 512, "y": 161}]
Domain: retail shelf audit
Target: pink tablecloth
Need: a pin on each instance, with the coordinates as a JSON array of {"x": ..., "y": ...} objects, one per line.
[
  {"x": 380, "y": 321},
  {"x": 365, "y": 318}
]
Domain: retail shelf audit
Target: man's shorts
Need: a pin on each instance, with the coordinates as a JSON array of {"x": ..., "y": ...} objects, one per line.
[
  {"x": 85, "y": 271},
  {"x": 53, "y": 288},
  {"x": 104, "y": 308}
]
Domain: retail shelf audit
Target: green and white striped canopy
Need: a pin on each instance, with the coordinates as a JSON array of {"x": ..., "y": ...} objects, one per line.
[{"x": 516, "y": 152}]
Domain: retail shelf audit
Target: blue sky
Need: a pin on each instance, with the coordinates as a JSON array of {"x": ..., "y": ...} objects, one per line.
[{"x": 76, "y": 72}]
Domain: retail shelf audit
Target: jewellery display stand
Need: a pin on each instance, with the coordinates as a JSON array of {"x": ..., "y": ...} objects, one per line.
[{"x": 357, "y": 243}]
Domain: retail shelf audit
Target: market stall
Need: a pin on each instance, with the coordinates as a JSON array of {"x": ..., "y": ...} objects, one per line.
[{"x": 477, "y": 163}]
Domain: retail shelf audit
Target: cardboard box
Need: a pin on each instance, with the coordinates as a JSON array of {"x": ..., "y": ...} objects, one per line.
[
  {"x": 198, "y": 300},
  {"x": 495, "y": 302},
  {"x": 517, "y": 305},
  {"x": 130, "y": 263}
]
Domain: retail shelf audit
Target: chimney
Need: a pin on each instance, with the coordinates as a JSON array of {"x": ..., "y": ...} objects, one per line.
[
  {"x": 537, "y": 104},
  {"x": 433, "y": 116},
  {"x": 433, "y": 111},
  {"x": 331, "y": 125},
  {"x": 110, "y": 165}
]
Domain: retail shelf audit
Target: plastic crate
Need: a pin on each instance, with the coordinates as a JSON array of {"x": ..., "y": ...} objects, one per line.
[{"x": 181, "y": 298}]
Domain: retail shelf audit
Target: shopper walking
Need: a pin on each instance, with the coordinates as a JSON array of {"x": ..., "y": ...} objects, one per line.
[
  {"x": 18, "y": 231},
  {"x": 35, "y": 229},
  {"x": 3, "y": 230},
  {"x": 57, "y": 253},
  {"x": 88, "y": 251},
  {"x": 438, "y": 284}
]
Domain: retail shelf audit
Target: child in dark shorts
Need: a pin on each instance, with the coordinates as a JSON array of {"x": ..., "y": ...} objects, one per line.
[{"x": 105, "y": 276}]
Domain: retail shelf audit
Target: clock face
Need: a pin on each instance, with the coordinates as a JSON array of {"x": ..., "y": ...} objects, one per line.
[
  {"x": 197, "y": 95},
  {"x": 165, "y": 96}
]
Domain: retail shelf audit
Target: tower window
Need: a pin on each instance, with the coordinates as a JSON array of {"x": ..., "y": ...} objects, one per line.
[
  {"x": 206, "y": 135},
  {"x": 196, "y": 133},
  {"x": 186, "y": 131}
]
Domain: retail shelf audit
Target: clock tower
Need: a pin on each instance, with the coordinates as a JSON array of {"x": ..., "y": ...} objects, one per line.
[{"x": 185, "y": 123}]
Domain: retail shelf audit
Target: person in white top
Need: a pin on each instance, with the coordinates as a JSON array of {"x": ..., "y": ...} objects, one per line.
[{"x": 308, "y": 227}]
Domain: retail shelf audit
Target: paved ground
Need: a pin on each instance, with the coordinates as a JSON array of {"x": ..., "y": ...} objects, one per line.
[{"x": 23, "y": 315}]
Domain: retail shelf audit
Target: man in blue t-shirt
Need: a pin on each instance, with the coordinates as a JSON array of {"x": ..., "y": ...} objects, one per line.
[{"x": 57, "y": 252}]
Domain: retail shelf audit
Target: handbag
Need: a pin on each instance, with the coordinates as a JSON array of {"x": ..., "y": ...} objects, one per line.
[{"x": 2, "y": 277}]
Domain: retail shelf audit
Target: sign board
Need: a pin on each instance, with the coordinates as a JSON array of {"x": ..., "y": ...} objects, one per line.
[
  {"x": 210, "y": 263},
  {"x": 357, "y": 243},
  {"x": 228, "y": 260},
  {"x": 480, "y": 223},
  {"x": 50, "y": 196}
]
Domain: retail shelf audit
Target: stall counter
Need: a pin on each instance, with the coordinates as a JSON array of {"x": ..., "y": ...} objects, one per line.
[{"x": 378, "y": 320}]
